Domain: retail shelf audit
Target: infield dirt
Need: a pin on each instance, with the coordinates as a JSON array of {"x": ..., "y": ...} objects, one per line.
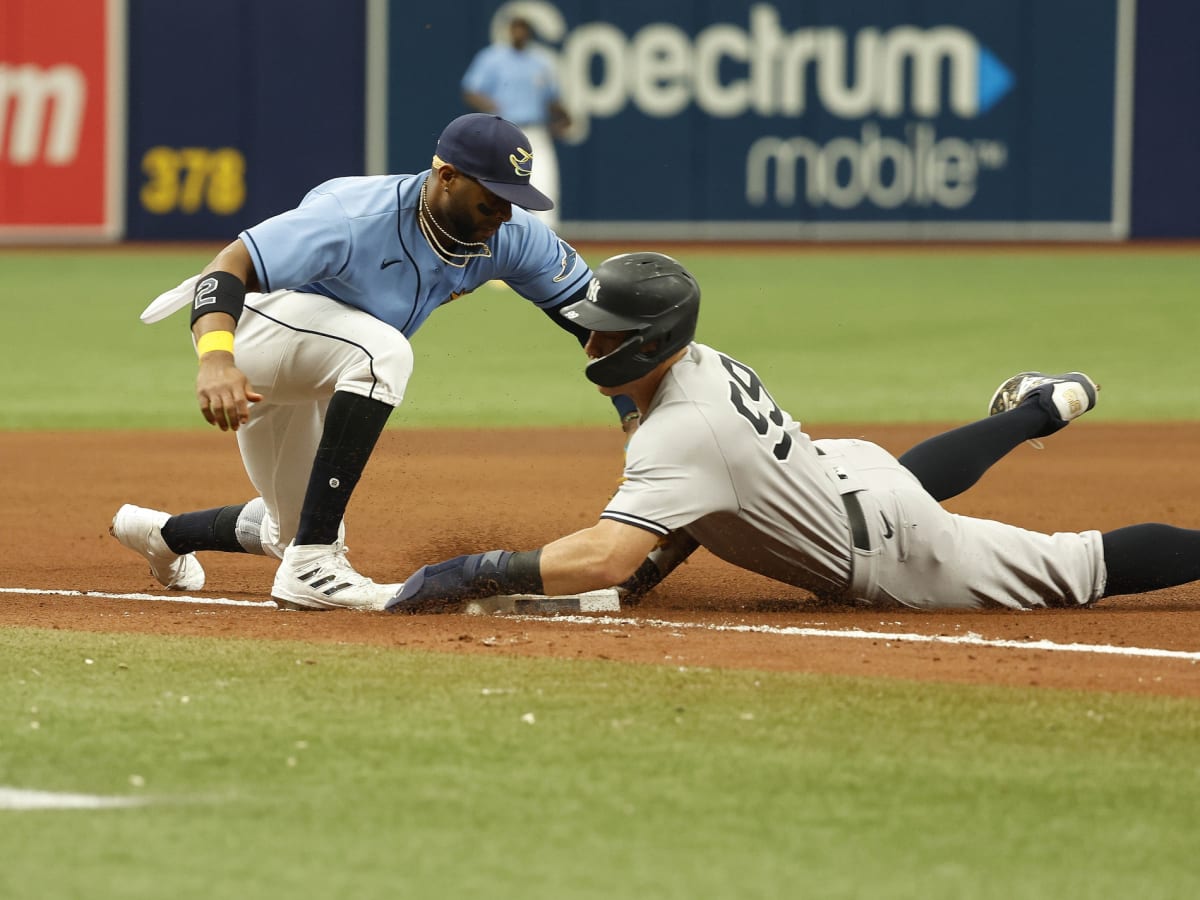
[{"x": 431, "y": 494}]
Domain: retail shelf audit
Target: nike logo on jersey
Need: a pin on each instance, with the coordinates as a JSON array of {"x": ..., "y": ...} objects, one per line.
[
  {"x": 888, "y": 531},
  {"x": 389, "y": 262}
]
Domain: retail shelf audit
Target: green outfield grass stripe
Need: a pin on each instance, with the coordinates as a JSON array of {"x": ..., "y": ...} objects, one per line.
[{"x": 875, "y": 335}]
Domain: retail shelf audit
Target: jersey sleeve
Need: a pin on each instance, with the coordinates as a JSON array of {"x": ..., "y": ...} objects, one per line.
[
  {"x": 303, "y": 245},
  {"x": 541, "y": 266},
  {"x": 675, "y": 473}
]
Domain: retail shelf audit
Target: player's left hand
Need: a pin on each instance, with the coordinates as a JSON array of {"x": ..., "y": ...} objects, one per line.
[
  {"x": 424, "y": 592},
  {"x": 443, "y": 587},
  {"x": 224, "y": 392}
]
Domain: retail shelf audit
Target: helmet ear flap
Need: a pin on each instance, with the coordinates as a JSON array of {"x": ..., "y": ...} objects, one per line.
[{"x": 613, "y": 369}]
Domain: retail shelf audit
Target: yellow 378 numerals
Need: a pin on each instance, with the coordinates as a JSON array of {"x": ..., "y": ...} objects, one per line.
[{"x": 184, "y": 179}]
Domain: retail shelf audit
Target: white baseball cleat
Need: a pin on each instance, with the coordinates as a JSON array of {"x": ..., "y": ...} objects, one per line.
[
  {"x": 140, "y": 530},
  {"x": 319, "y": 577},
  {"x": 1068, "y": 397}
]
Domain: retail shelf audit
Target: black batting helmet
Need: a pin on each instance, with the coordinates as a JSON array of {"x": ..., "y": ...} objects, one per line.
[{"x": 648, "y": 294}]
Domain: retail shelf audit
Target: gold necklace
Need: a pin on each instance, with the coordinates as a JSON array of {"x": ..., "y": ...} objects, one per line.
[{"x": 425, "y": 216}]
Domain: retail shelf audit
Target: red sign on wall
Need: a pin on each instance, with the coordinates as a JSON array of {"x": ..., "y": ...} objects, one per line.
[{"x": 61, "y": 124}]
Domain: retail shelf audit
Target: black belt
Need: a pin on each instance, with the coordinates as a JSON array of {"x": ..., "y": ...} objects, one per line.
[{"x": 858, "y": 520}]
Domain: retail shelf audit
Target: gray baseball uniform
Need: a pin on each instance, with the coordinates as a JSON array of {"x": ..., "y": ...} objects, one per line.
[{"x": 716, "y": 457}]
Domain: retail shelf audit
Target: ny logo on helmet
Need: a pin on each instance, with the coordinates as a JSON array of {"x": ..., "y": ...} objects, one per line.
[
  {"x": 520, "y": 161},
  {"x": 593, "y": 292}
]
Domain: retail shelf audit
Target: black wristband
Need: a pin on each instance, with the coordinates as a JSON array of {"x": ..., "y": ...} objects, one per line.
[
  {"x": 524, "y": 574},
  {"x": 218, "y": 292}
]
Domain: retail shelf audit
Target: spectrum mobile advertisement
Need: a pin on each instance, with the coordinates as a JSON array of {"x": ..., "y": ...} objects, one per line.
[{"x": 857, "y": 118}]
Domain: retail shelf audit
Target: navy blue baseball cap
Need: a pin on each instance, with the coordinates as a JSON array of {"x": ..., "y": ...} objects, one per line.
[{"x": 494, "y": 152}]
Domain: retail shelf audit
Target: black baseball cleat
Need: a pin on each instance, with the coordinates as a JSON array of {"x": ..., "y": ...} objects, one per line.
[{"x": 1064, "y": 397}]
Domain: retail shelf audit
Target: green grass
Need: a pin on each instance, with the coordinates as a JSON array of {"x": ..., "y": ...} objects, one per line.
[
  {"x": 298, "y": 770},
  {"x": 895, "y": 336},
  {"x": 876, "y": 335},
  {"x": 416, "y": 775}
]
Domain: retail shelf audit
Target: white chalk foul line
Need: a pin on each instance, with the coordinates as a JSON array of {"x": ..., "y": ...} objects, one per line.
[
  {"x": 18, "y": 798},
  {"x": 972, "y": 640},
  {"x": 164, "y": 598}
]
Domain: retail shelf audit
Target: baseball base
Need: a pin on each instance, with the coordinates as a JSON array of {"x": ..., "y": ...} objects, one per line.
[{"x": 605, "y": 600}]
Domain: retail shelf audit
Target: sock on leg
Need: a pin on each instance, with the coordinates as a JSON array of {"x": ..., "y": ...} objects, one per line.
[
  {"x": 1150, "y": 556},
  {"x": 206, "y": 529},
  {"x": 353, "y": 424},
  {"x": 949, "y": 463}
]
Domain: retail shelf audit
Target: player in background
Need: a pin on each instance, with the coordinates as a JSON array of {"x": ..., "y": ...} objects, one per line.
[
  {"x": 716, "y": 463},
  {"x": 517, "y": 80},
  {"x": 302, "y": 328}
]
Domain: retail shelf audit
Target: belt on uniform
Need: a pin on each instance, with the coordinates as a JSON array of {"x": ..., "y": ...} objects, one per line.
[{"x": 858, "y": 520}]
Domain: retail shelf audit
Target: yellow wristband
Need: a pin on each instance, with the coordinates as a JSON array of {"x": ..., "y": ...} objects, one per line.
[{"x": 214, "y": 340}]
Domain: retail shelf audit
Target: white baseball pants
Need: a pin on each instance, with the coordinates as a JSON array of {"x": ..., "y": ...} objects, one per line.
[
  {"x": 922, "y": 555},
  {"x": 297, "y": 349}
]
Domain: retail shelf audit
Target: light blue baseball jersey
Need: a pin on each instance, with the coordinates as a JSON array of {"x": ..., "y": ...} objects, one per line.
[
  {"x": 520, "y": 83},
  {"x": 357, "y": 240}
]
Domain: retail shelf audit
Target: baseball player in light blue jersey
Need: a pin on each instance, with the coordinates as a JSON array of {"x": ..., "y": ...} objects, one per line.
[
  {"x": 517, "y": 80},
  {"x": 716, "y": 463},
  {"x": 302, "y": 328}
]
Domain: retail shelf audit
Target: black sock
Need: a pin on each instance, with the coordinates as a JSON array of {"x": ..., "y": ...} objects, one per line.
[
  {"x": 1150, "y": 556},
  {"x": 949, "y": 463},
  {"x": 353, "y": 424},
  {"x": 207, "y": 529}
]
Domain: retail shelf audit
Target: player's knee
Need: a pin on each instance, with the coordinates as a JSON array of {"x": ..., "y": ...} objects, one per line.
[
  {"x": 393, "y": 366},
  {"x": 382, "y": 373}
]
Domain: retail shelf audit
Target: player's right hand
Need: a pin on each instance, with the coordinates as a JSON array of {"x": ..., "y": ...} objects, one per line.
[{"x": 224, "y": 392}]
